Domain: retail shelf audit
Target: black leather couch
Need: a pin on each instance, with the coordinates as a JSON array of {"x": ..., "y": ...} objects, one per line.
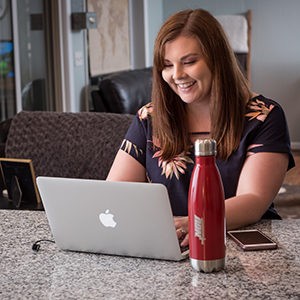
[{"x": 122, "y": 92}]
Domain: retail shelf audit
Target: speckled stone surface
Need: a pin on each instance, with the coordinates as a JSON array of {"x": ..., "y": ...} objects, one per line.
[{"x": 55, "y": 274}]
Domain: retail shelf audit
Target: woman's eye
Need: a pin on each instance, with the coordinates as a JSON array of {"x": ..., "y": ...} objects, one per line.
[
  {"x": 190, "y": 62},
  {"x": 167, "y": 66}
]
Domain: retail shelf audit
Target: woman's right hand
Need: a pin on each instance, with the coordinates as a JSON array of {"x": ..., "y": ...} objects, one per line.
[{"x": 182, "y": 230}]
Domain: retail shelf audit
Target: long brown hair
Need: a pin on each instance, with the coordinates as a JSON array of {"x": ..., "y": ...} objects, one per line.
[{"x": 229, "y": 91}]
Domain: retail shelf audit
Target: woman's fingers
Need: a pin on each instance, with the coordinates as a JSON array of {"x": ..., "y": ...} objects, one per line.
[
  {"x": 181, "y": 225},
  {"x": 185, "y": 241}
]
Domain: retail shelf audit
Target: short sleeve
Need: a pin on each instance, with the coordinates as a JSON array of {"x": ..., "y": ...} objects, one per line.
[
  {"x": 272, "y": 135},
  {"x": 135, "y": 140}
]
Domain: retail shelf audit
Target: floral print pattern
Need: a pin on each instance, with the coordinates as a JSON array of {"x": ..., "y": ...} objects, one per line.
[
  {"x": 127, "y": 146},
  {"x": 175, "y": 166},
  {"x": 258, "y": 110},
  {"x": 145, "y": 111}
]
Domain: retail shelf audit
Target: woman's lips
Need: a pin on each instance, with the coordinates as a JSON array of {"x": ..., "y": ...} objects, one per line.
[{"x": 185, "y": 86}]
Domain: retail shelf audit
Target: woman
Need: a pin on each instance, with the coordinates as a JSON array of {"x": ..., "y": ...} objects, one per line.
[{"x": 199, "y": 92}]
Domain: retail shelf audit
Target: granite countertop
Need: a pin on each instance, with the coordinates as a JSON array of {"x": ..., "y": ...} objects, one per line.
[{"x": 55, "y": 274}]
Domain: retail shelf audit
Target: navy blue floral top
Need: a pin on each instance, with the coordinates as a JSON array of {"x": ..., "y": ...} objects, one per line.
[{"x": 265, "y": 130}]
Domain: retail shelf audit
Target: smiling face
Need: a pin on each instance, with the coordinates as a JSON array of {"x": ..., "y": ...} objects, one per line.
[{"x": 186, "y": 71}]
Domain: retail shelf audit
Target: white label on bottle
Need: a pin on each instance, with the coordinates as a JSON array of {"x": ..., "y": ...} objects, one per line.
[{"x": 199, "y": 228}]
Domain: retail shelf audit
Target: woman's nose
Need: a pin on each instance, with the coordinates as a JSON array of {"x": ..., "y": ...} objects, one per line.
[{"x": 178, "y": 72}]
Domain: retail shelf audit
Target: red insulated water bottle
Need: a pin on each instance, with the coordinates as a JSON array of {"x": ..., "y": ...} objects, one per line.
[{"x": 206, "y": 210}]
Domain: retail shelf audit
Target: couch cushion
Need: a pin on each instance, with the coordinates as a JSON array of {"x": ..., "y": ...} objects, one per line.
[{"x": 77, "y": 145}]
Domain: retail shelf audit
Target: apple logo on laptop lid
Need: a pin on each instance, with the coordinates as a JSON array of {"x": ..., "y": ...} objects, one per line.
[{"x": 107, "y": 219}]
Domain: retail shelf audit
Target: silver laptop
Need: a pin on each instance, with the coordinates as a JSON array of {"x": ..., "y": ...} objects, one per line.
[{"x": 118, "y": 218}]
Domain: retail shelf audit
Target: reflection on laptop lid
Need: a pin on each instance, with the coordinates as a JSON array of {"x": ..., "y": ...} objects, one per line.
[{"x": 118, "y": 218}]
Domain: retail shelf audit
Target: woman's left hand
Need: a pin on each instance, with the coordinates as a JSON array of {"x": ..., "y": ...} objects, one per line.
[{"x": 182, "y": 230}]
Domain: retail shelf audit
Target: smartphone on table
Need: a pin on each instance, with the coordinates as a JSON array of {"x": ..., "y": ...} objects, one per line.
[{"x": 252, "y": 239}]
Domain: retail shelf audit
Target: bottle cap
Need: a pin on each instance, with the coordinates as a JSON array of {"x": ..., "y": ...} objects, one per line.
[{"x": 205, "y": 147}]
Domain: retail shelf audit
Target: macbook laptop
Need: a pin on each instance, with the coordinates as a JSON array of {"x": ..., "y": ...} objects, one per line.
[{"x": 117, "y": 218}]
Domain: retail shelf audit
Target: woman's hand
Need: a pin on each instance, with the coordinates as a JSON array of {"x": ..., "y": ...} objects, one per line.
[{"x": 182, "y": 230}]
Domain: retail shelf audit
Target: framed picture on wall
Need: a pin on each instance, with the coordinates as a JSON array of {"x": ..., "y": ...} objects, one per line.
[{"x": 109, "y": 43}]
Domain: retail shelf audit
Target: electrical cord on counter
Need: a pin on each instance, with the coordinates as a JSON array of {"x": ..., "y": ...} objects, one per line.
[{"x": 36, "y": 246}]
